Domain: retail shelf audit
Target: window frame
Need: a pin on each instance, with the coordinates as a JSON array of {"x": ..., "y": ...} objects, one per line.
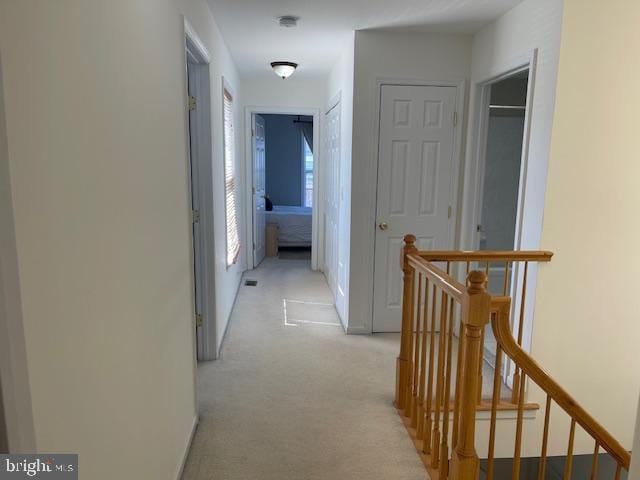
[
  {"x": 227, "y": 91},
  {"x": 304, "y": 171}
]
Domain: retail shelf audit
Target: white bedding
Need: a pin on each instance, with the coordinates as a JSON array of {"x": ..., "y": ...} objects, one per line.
[{"x": 294, "y": 225}]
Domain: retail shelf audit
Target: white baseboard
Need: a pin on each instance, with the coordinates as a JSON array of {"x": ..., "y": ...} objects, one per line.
[
  {"x": 183, "y": 462},
  {"x": 358, "y": 330}
]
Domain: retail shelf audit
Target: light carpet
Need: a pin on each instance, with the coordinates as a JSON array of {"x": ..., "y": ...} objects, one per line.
[{"x": 296, "y": 398}]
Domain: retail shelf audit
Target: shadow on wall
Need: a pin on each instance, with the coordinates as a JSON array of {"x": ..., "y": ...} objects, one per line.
[{"x": 581, "y": 468}]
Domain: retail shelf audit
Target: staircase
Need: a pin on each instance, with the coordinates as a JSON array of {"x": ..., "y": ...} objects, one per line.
[{"x": 442, "y": 364}]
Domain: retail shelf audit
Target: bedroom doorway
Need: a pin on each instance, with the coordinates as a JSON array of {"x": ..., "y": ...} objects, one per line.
[{"x": 283, "y": 180}]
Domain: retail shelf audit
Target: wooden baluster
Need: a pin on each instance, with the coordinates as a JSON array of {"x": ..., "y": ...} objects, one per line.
[
  {"x": 545, "y": 440},
  {"x": 417, "y": 356},
  {"x": 618, "y": 472},
  {"x": 497, "y": 385},
  {"x": 481, "y": 364},
  {"x": 594, "y": 462},
  {"x": 423, "y": 362},
  {"x": 456, "y": 402},
  {"x": 480, "y": 369},
  {"x": 505, "y": 285},
  {"x": 442, "y": 347},
  {"x": 426, "y": 444},
  {"x": 464, "y": 461},
  {"x": 444, "y": 447},
  {"x": 515, "y": 474},
  {"x": 569, "y": 461},
  {"x": 403, "y": 363},
  {"x": 516, "y": 373},
  {"x": 412, "y": 366},
  {"x": 522, "y": 303}
]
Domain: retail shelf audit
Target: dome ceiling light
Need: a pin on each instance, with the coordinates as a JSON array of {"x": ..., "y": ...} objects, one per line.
[
  {"x": 284, "y": 69},
  {"x": 288, "y": 21}
]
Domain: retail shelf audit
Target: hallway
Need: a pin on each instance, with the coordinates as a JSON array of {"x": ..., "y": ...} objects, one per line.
[{"x": 301, "y": 400}]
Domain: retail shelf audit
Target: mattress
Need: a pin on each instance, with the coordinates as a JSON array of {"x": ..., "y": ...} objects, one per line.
[{"x": 294, "y": 225}]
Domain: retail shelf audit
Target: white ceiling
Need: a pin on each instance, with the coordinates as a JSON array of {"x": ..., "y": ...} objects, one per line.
[{"x": 255, "y": 39}]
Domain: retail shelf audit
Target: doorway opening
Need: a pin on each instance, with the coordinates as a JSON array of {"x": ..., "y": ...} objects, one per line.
[
  {"x": 284, "y": 179},
  {"x": 504, "y": 123},
  {"x": 201, "y": 188}
]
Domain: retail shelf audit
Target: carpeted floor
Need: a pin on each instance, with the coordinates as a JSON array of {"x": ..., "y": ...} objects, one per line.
[
  {"x": 293, "y": 397},
  {"x": 294, "y": 253}
]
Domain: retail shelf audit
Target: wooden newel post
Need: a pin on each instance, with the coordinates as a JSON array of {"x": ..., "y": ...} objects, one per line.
[
  {"x": 403, "y": 364},
  {"x": 464, "y": 461}
]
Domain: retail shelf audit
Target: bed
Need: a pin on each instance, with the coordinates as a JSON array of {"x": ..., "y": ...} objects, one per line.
[{"x": 294, "y": 225}]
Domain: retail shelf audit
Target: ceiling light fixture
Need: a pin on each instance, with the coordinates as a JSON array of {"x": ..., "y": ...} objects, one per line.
[
  {"x": 288, "y": 21},
  {"x": 284, "y": 69}
]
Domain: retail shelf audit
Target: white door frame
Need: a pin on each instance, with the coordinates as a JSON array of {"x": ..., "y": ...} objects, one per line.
[
  {"x": 14, "y": 375},
  {"x": 478, "y": 147},
  {"x": 370, "y": 247},
  {"x": 202, "y": 175},
  {"x": 316, "y": 236}
]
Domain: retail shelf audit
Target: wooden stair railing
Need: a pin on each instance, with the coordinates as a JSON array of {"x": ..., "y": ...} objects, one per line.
[{"x": 440, "y": 366}]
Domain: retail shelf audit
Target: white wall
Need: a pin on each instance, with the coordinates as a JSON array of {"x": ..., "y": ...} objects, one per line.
[
  {"x": 340, "y": 86},
  {"x": 586, "y": 301},
  {"x": 96, "y": 125},
  {"x": 272, "y": 91},
  {"x": 414, "y": 56}
]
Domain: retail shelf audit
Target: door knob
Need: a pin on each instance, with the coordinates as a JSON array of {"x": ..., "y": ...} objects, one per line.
[{"x": 383, "y": 225}]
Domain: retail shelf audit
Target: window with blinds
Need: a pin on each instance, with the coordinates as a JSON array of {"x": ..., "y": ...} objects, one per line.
[{"x": 230, "y": 183}]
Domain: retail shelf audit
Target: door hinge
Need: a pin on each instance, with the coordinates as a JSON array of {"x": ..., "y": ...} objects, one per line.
[
  {"x": 449, "y": 211},
  {"x": 254, "y": 246},
  {"x": 192, "y": 103},
  {"x": 198, "y": 320},
  {"x": 253, "y": 132},
  {"x": 455, "y": 119},
  {"x": 195, "y": 216}
]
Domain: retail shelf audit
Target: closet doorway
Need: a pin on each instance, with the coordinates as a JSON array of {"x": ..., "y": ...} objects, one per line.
[{"x": 504, "y": 124}]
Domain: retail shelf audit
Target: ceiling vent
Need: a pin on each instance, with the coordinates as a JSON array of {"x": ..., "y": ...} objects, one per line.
[{"x": 288, "y": 21}]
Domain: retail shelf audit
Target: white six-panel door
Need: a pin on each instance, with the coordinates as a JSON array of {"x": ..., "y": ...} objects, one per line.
[
  {"x": 415, "y": 186},
  {"x": 259, "y": 190}
]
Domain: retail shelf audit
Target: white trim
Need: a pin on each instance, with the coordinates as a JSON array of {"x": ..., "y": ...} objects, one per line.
[
  {"x": 478, "y": 146},
  {"x": 206, "y": 338},
  {"x": 372, "y": 180},
  {"x": 478, "y": 142},
  {"x": 201, "y": 50},
  {"x": 185, "y": 454},
  {"x": 317, "y": 235},
  {"x": 334, "y": 102}
]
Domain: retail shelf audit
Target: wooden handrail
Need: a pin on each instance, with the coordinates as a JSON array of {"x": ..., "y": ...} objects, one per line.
[
  {"x": 483, "y": 256},
  {"x": 442, "y": 280},
  {"x": 504, "y": 337},
  {"x": 441, "y": 361}
]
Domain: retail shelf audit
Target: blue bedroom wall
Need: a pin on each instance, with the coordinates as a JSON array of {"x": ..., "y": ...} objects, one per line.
[{"x": 283, "y": 149}]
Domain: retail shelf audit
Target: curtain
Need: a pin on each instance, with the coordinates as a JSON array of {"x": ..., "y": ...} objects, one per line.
[{"x": 307, "y": 131}]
